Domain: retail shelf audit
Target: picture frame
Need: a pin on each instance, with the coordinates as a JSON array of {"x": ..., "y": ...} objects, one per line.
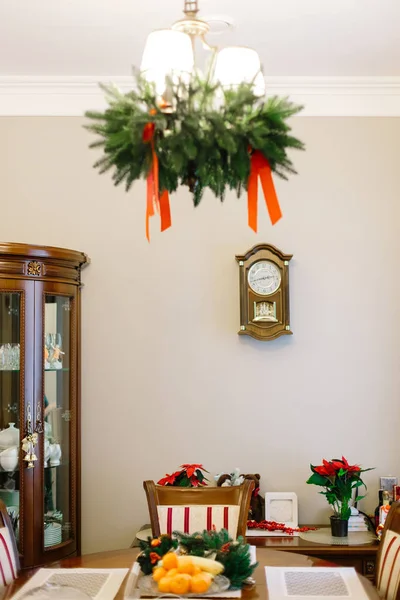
[{"x": 282, "y": 507}]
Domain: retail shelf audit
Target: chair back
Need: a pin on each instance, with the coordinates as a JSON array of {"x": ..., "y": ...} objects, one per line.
[
  {"x": 195, "y": 509},
  {"x": 9, "y": 558},
  {"x": 388, "y": 561}
]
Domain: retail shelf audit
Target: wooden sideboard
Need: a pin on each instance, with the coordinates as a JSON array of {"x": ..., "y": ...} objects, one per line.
[{"x": 361, "y": 557}]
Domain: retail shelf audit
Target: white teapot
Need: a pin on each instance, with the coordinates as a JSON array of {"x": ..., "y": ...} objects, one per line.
[
  {"x": 9, "y": 437},
  {"x": 9, "y": 458}
]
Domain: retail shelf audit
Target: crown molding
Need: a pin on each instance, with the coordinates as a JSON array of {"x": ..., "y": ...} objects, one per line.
[{"x": 321, "y": 96}]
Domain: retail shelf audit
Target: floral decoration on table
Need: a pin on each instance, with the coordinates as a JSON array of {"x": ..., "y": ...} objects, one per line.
[
  {"x": 201, "y": 136},
  {"x": 274, "y": 526},
  {"x": 188, "y": 476},
  {"x": 339, "y": 479},
  {"x": 191, "y": 563}
]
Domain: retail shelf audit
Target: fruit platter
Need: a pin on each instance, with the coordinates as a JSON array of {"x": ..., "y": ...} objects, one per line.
[{"x": 207, "y": 563}]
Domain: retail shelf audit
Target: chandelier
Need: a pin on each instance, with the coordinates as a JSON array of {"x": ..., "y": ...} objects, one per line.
[
  {"x": 208, "y": 126},
  {"x": 171, "y": 53}
]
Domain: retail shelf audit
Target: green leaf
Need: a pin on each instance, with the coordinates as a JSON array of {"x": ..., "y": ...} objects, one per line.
[{"x": 317, "y": 479}]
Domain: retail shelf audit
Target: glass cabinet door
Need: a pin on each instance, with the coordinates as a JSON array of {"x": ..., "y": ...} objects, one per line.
[
  {"x": 58, "y": 493},
  {"x": 11, "y": 367}
]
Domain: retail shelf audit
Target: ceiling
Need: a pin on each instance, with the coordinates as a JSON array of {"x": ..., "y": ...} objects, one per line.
[{"x": 293, "y": 37}]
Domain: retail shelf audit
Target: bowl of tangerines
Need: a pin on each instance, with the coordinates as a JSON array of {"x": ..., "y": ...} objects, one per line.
[{"x": 201, "y": 564}]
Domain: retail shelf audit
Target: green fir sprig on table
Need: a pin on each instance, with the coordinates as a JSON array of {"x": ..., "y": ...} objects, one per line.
[
  {"x": 153, "y": 549},
  {"x": 203, "y": 543},
  {"x": 204, "y": 141},
  {"x": 233, "y": 554}
]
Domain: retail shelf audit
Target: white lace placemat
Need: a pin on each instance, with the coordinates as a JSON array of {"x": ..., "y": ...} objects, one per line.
[
  {"x": 313, "y": 583},
  {"x": 324, "y": 536},
  {"x": 99, "y": 584}
]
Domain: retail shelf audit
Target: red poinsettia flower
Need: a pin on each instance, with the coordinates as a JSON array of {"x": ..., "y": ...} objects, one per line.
[
  {"x": 350, "y": 468},
  {"x": 168, "y": 479},
  {"x": 326, "y": 469},
  {"x": 190, "y": 469}
]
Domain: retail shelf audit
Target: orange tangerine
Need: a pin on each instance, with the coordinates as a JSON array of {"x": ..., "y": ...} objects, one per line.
[
  {"x": 170, "y": 561},
  {"x": 196, "y": 570},
  {"x": 159, "y": 573},
  {"x": 164, "y": 585},
  {"x": 180, "y": 584},
  {"x": 200, "y": 583},
  {"x": 185, "y": 565},
  {"x": 172, "y": 573}
]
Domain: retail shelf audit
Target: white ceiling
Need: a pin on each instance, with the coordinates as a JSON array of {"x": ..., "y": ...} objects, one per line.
[{"x": 293, "y": 37}]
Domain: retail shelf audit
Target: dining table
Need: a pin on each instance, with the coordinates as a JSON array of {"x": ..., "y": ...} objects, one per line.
[{"x": 126, "y": 557}]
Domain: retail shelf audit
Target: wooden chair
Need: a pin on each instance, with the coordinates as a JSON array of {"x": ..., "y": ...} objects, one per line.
[
  {"x": 388, "y": 559},
  {"x": 195, "y": 509},
  {"x": 9, "y": 558}
]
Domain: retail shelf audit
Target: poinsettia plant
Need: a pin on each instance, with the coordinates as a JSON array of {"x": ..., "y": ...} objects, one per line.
[
  {"x": 187, "y": 476},
  {"x": 339, "y": 479}
]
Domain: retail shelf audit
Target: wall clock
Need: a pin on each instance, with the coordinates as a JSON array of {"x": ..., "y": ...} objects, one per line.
[{"x": 264, "y": 292}]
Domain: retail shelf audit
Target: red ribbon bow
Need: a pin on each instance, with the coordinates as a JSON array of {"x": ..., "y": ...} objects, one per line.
[
  {"x": 154, "y": 199},
  {"x": 260, "y": 167}
]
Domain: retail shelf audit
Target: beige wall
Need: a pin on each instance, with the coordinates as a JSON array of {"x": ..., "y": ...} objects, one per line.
[{"x": 166, "y": 378}]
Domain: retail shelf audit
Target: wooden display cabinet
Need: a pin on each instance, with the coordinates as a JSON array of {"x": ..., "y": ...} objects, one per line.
[{"x": 40, "y": 397}]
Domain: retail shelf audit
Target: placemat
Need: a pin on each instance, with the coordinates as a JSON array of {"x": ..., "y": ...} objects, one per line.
[{"x": 324, "y": 536}]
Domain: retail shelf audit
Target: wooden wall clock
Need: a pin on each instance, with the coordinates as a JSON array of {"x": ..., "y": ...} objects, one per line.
[{"x": 264, "y": 292}]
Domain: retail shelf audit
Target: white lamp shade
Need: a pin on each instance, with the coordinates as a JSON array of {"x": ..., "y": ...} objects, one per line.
[
  {"x": 235, "y": 65},
  {"x": 166, "y": 53},
  {"x": 259, "y": 85}
]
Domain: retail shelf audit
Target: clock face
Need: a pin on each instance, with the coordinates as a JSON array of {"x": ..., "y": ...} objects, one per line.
[{"x": 264, "y": 277}]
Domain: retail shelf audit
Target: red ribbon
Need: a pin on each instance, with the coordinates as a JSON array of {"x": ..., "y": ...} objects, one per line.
[
  {"x": 154, "y": 199},
  {"x": 260, "y": 168}
]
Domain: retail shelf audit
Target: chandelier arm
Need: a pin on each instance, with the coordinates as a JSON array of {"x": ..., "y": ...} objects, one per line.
[{"x": 214, "y": 50}]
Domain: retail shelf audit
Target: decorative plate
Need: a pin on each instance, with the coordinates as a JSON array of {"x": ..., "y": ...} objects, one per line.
[{"x": 148, "y": 587}]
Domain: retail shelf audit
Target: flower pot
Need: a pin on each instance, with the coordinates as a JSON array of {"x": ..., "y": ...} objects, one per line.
[{"x": 339, "y": 527}]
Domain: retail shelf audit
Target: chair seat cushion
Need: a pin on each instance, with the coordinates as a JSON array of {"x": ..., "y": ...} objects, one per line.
[
  {"x": 389, "y": 569},
  {"x": 189, "y": 519}
]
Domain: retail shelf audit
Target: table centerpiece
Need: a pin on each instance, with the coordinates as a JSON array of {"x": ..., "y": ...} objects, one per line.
[{"x": 198, "y": 564}]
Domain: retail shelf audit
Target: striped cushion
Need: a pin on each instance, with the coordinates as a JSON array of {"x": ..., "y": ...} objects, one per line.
[
  {"x": 8, "y": 567},
  {"x": 190, "y": 519},
  {"x": 389, "y": 568}
]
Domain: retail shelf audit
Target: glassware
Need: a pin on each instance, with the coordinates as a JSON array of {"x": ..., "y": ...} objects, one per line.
[{"x": 9, "y": 357}]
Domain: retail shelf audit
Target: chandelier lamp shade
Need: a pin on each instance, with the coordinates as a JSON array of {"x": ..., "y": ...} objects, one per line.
[
  {"x": 167, "y": 54},
  {"x": 203, "y": 126}
]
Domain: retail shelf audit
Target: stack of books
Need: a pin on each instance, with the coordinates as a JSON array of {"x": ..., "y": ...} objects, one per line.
[{"x": 357, "y": 523}]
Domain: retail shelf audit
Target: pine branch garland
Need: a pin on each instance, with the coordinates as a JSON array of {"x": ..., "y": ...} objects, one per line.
[{"x": 206, "y": 142}]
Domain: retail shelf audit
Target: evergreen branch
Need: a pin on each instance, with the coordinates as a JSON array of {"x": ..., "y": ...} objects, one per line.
[{"x": 205, "y": 142}]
